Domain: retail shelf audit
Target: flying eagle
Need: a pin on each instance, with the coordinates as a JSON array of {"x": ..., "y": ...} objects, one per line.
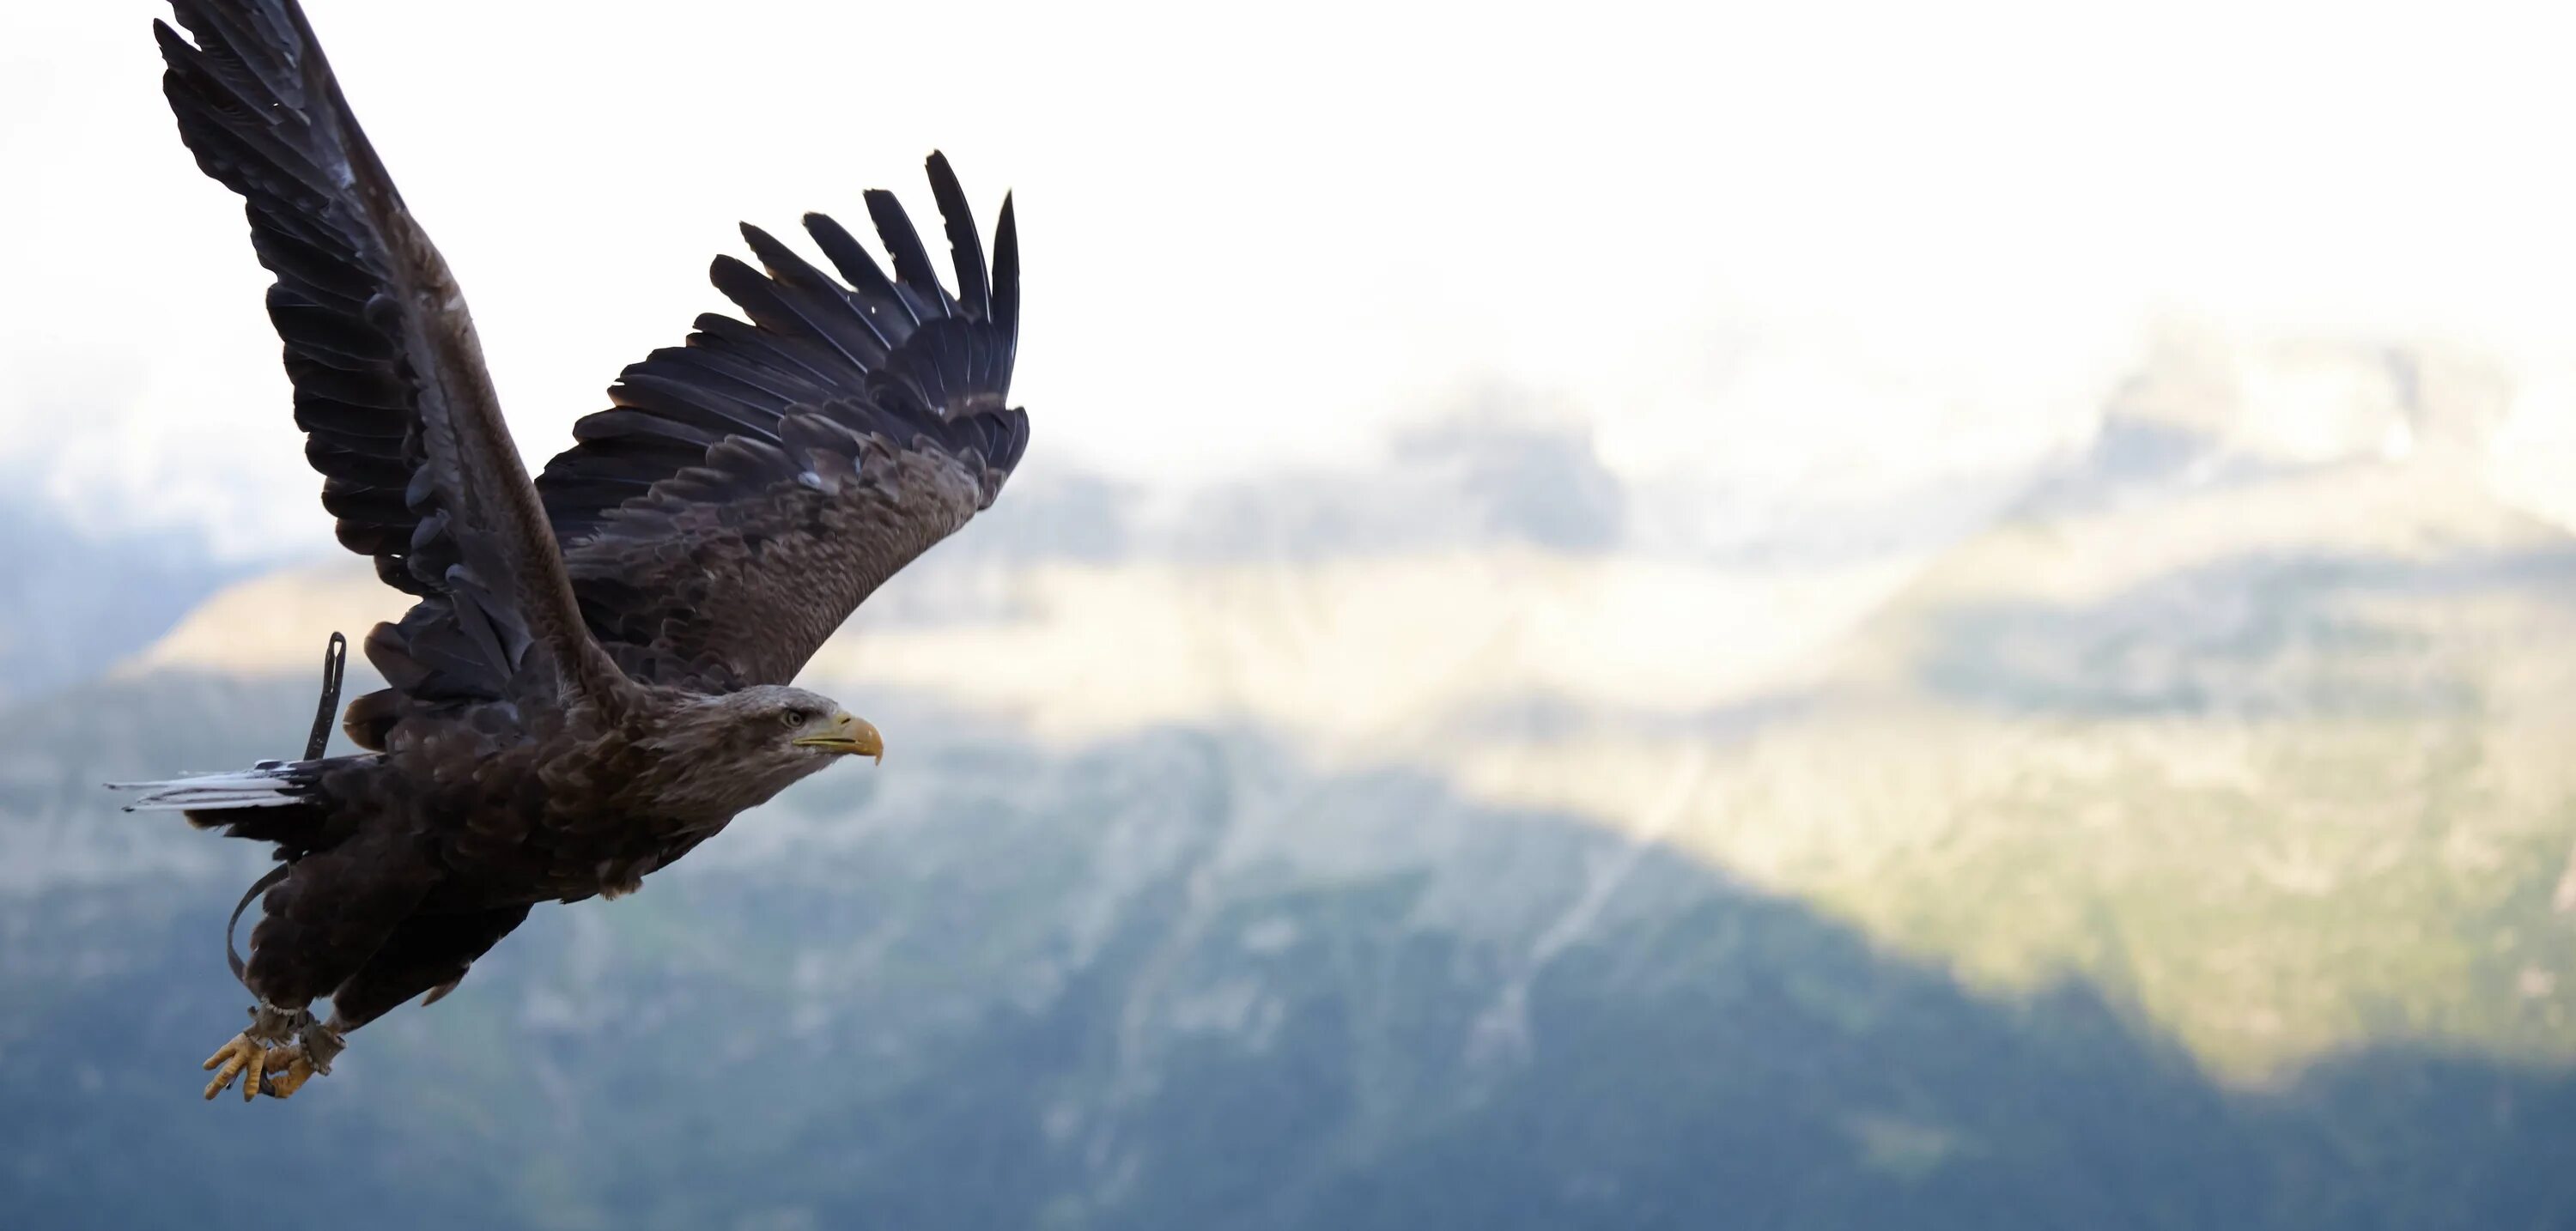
[{"x": 594, "y": 674}]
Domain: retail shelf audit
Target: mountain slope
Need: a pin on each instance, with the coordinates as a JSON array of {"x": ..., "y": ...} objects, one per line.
[
  {"x": 1013, "y": 988},
  {"x": 2269, "y": 743},
  {"x": 72, "y": 602}
]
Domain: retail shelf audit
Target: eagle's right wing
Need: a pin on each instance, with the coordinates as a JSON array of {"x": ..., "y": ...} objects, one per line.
[
  {"x": 750, "y": 488},
  {"x": 400, "y": 416}
]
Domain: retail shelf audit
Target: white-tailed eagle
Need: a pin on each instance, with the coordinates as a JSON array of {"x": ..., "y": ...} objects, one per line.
[{"x": 594, "y": 675}]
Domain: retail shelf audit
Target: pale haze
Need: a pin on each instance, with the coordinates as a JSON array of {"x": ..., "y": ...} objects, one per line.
[{"x": 1756, "y": 247}]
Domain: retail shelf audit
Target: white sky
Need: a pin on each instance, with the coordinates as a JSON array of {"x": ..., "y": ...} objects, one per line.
[{"x": 1744, "y": 241}]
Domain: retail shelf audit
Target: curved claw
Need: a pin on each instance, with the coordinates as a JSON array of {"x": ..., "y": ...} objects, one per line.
[{"x": 288, "y": 1070}]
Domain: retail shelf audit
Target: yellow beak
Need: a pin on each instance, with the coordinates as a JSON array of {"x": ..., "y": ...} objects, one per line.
[{"x": 847, "y": 733}]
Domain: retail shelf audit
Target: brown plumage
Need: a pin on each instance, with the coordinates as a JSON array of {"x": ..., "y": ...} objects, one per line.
[{"x": 595, "y": 675}]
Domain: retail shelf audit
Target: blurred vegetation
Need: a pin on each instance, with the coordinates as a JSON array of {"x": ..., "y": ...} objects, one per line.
[{"x": 1052, "y": 992}]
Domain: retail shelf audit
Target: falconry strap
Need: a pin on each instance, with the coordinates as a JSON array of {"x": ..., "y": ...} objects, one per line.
[{"x": 335, "y": 665}]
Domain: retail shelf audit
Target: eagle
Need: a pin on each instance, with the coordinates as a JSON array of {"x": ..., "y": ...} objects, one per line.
[{"x": 595, "y": 672}]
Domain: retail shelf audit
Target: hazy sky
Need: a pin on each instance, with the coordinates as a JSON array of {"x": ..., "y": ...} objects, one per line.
[{"x": 1752, "y": 244}]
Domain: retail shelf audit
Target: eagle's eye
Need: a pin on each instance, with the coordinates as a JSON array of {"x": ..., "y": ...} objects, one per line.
[{"x": 793, "y": 719}]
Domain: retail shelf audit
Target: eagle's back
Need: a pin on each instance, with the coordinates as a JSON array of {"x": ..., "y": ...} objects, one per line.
[{"x": 504, "y": 814}]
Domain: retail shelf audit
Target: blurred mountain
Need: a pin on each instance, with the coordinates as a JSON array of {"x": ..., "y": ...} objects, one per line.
[
  {"x": 2265, "y": 739},
  {"x": 1166, "y": 981},
  {"x": 2177, "y": 837},
  {"x": 72, "y": 602}
]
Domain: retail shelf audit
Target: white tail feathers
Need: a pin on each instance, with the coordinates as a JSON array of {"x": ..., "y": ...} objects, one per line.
[{"x": 271, "y": 785}]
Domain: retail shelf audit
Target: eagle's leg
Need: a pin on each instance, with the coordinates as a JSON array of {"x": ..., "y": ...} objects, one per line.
[
  {"x": 308, "y": 1057},
  {"x": 258, "y": 1049},
  {"x": 428, "y": 953},
  {"x": 318, "y": 926},
  {"x": 272, "y": 1063}
]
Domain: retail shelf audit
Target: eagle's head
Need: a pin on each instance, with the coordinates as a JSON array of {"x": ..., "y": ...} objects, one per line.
[
  {"x": 735, "y": 750},
  {"x": 790, "y": 728}
]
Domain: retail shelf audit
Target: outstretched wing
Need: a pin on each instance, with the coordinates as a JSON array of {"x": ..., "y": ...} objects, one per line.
[
  {"x": 747, "y": 490},
  {"x": 389, "y": 382}
]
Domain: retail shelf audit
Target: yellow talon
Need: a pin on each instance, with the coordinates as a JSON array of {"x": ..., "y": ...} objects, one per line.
[
  {"x": 233, "y": 1057},
  {"x": 274, "y": 1070}
]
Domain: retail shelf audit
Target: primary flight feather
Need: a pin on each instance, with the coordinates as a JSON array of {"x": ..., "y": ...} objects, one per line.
[{"x": 595, "y": 675}]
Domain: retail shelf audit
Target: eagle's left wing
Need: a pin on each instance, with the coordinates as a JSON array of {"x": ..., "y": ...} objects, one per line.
[{"x": 747, "y": 490}]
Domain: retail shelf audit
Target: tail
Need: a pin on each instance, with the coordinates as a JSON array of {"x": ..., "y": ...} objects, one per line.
[
  {"x": 270, "y": 784},
  {"x": 273, "y": 801}
]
